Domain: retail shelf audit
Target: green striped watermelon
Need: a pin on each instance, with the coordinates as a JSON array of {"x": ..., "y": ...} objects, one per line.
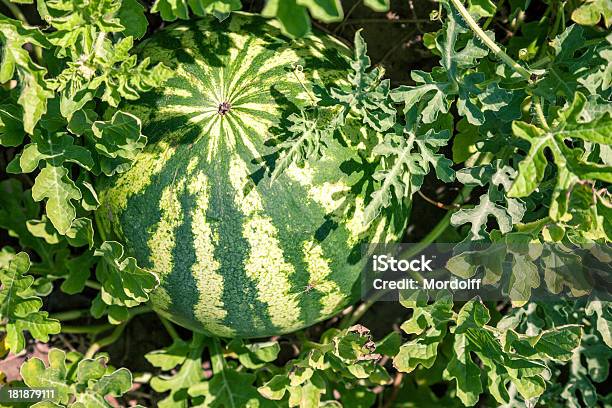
[{"x": 237, "y": 254}]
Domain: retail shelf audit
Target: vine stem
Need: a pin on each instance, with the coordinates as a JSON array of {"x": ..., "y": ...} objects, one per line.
[
  {"x": 387, "y": 21},
  {"x": 492, "y": 45},
  {"x": 169, "y": 328},
  {"x": 70, "y": 314},
  {"x": 114, "y": 336},
  {"x": 217, "y": 360},
  {"x": 15, "y": 11},
  {"x": 306, "y": 343},
  {"x": 93, "y": 284},
  {"x": 106, "y": 341},
  {"x": 538, "y": 108},
  {"x": 94, "y": 329},
  {"x": 78, "y": 313},
  {"x": 298, "y": 69}
]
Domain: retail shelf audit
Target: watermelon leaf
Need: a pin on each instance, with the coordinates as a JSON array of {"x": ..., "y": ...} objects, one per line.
[
  {"x": 308, "y": 135},
  {"x": 110, "y": 68},
  {"x": 572, "y": 168},
  {"x": 507, "y": 356},
  {"x": 377, "y": 5},
  {"x": 591, "y": 12},
  {"x": 406, "y": 157},
  {"x": 117, "y": 142},
  {"x": 455, "y": 80},
  {"x": 124, "y": 283},
  {"x": 465, "y": 372},
  {"x": 54, "y": 185},
  {"x": 16, "y": 208},
  {"x": 429, "y": 323},
  {"x": 132, "y": 17},
  {"x": 15, "y": 60},
  {"x": 494, "y": 203},
  {"x": 229, "y": 388},
  {"x": 170, "y": 357},
  {"x": 55, "y": 149},
  {"x": 189, "y": 374},
  {"x": 349, "y": 354},
  {"x": 87, "y": 382},
  {"x": 20, "y": 307},
  {"x": 11, "y": 125},
  {"x": 573, "y": 66},
  {"x": 368, "y": 95},
  {"x": 172, "y": 10}
]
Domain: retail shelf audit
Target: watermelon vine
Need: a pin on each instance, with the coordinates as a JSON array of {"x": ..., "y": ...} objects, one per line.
[{"x": 186, "y": 189}]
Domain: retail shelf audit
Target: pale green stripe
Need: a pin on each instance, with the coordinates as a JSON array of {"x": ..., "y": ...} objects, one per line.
[
  {"x": 209, "y": 309},
  {"x": 265, "y": 263},
  {"x": 162, "y": 241},
  {"x": 319, "y": 271}
]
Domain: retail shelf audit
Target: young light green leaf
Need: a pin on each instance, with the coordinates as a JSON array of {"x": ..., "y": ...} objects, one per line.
[
  {"x": 482, "y": 8},
  {"x": 87, "y": 384},
  {"x": 603, "y": 313},
  {"x": 77, "y": 25},
  {"x": 170, "y": 357},
  {"x": 55, "y": 149},
  {"x": 559, "y": 343},
  {"x": 189, "y": 374},
  {"x": 54, "y": 185},
  {"x": 327, "y": 11},
  {"x": 591, "y": 11},
  {"x": 473, "y": 314},
  {"x": 110, "y": 68},
  {"x": 81, "y": 233},
  {"x": 14, "y": 58},
  {"x": 43, "y": 229},
  {"x": 36, "y": 374},
  {"x": 430, "y": 324},
  {"x": 254, "y": 355},
  {"x": 90, "y": 197},
  {"x": 275, "y": 388}
]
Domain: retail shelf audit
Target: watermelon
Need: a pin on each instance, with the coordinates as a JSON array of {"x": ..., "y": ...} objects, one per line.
[{"x": 238, "y": 254}]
